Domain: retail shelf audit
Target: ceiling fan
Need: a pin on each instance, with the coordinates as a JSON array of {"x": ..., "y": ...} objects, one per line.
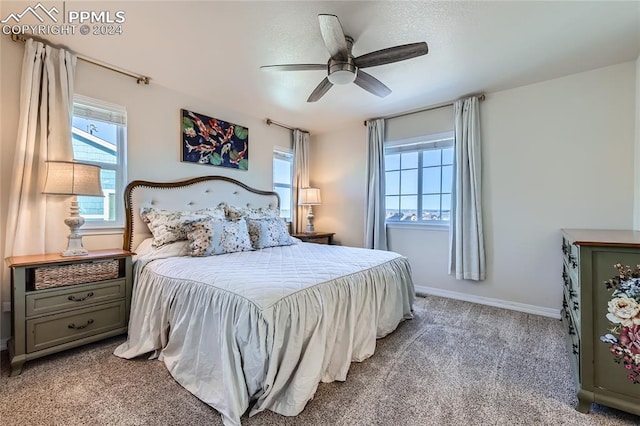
[{"x": 343, "y": 68}]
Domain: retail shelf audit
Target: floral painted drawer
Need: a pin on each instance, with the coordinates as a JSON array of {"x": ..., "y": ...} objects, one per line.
[{"x": 606, "y": 315}]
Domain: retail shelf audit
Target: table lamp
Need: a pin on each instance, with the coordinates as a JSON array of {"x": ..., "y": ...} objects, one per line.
[
  {"x": 309, "y": 197},
  {"x": 71, "y": 178}
]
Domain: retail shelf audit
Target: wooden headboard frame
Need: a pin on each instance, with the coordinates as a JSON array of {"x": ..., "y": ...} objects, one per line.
[{"x": 186, "y": 195}]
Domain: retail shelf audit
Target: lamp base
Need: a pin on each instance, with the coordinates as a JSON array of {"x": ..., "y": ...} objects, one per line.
[
  {"x": 74, "y": 247},
  {"x": 74, "y": 222},
  {"x": 310, "y": 229}
]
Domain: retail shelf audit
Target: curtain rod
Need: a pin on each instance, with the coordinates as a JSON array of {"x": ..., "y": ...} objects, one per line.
[
  {"x": 139, "y": 78},
  {"x": 481, "y": 97},
  {"x": 284, "y": 126}
]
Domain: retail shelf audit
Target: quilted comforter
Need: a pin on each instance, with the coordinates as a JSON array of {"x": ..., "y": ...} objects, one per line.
[{"x": 265, "y": 327}]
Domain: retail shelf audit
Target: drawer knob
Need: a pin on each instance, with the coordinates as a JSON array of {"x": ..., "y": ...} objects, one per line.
[
  {"x": 575, "y": 349},
  {"x": 80, "y": 299},
  {"x": 80, "y": 327}
]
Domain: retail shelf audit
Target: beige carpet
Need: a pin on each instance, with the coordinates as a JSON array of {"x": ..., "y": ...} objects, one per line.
[{"x": 456, "y": 363}]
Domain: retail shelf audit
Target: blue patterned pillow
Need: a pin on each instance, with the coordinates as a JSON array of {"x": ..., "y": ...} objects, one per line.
[
  {"x": 214, "y": 236},
  {"x": 268, "y": 232}
]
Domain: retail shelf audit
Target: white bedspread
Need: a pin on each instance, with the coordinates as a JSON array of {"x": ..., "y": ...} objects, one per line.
[{"x": 268, "y": 325}]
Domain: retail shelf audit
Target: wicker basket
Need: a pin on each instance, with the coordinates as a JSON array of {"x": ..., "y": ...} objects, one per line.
[{"x": 76, "y": 273}]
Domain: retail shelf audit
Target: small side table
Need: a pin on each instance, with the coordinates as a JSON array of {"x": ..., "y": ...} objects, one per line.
[
  {"x": 59, "y": 303},
  {"x": 315, "y": 237}
]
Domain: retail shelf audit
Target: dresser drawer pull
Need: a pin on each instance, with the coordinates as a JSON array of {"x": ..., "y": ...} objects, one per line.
[
  {"x": 80, "y": 299},
  {"x": 565, "y": 278},
  {"x": 572, "y": 330},
  {"x": 80, "y": 327},
  {"x": 565, "y": 248},
  {"x": 564, "y": 304},
  {"x": 575, "y": 349},
  {"x": 576, "y": 305},
  {"x": 572, "y": 293},
  {"x": 572, "y": 261}
]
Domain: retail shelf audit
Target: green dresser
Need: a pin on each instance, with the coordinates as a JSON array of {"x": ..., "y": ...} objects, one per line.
[
  {"x": 59, "y": 302},
  {"x": 602, "y": 335}
]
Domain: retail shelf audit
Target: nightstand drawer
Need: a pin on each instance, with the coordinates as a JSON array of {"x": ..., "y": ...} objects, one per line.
[
  {"x": 52, "y": 330},
  {"x": 315, "y": 237},
  {"x": 55, "y": 300},
  {"x": 317, "y": 240}
]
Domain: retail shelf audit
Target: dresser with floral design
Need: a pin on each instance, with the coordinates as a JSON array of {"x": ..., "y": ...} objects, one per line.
[{"x": 601, "y": 312}]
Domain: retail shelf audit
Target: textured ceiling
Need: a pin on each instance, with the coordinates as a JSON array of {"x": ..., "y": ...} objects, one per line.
[{"x": 213, "y": 50}]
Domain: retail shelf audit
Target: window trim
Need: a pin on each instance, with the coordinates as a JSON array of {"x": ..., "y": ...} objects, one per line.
[
  {"x": 285, "y": 154},
  {"x": 419, "y": 144},
  {"x": 114, "y": 114}
]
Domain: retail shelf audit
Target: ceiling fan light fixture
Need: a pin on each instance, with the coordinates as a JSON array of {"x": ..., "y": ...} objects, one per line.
[
  {"x": 342, "y": 72},
  {"x": 342, "y": 77}
]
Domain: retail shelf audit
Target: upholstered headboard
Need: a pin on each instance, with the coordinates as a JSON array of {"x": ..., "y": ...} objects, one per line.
[{"x": 192, "y": 194}]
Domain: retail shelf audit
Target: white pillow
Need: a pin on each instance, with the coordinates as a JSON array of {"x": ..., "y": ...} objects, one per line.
[{"x": 146, "y": 249}]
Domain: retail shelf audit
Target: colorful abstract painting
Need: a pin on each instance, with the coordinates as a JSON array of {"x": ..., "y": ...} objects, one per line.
[{"x": 207, "y": 140}]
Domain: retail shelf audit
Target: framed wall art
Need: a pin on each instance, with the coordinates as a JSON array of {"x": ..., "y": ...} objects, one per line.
[{"x": 207, "y": 140}]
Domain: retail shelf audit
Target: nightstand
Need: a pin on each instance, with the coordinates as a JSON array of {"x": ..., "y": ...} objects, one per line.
[
  {"x": 315, "y": 237},
  {"x": 58, "y": 303}
]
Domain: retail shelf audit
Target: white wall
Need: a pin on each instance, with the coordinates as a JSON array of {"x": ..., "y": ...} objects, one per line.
[
  {"x": 338, "y": 168},
  {"x": 557, "y": 154},
  {"x": 153, "y": 134}
]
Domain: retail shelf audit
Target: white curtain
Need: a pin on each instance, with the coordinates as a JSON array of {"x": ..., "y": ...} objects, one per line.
[
  {"x": 375, "y": 230},
  {"x": 300, "y": 176},
  {"x": 44, "y": 133},
  {"x": 466, "y": 239}
]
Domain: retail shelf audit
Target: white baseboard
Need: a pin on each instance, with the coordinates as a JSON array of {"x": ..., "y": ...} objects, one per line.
[
  {"x": 514, "y": 306},
  {"x": 3, "y": 344}
]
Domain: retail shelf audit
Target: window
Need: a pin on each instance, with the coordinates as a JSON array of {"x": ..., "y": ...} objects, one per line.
[
  {"x": 98, "y": 135},
  {"x": 283, "y": 180},
  {"x": 418, "y": 176}
]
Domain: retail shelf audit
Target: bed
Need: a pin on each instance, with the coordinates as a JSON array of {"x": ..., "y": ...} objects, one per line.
[{"x": 255, "y": 330}]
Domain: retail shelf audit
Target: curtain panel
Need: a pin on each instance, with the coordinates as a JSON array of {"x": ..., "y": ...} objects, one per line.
[
  {"x": 466, "y": 238},
  {"x": 300, "y": 176},
  {"x": 375, "y": 228},
  {"x": 44, "y": 133}
]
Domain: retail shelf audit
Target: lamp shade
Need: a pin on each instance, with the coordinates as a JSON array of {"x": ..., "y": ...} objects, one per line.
[
  {"x": 71, "y": 178},
  {"x": 309, "y": 197}
]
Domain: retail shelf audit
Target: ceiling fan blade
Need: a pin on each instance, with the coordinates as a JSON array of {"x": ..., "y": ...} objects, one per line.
[
  {"x": 391, "y": 54},
  {"x": 295, "y": 67},
  {"x": 320, "y": 90},
  {"x": 371, "y": 84},
  {"x": 333, "y": 36}
]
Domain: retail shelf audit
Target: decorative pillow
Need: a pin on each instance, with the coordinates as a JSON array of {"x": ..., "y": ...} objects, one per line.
[
  {"x": 235, "y": 213},
  {"x": 169, "y": 226},
  {"x": 209, "y": 237},
  {"x": 268, "y": 232}
]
